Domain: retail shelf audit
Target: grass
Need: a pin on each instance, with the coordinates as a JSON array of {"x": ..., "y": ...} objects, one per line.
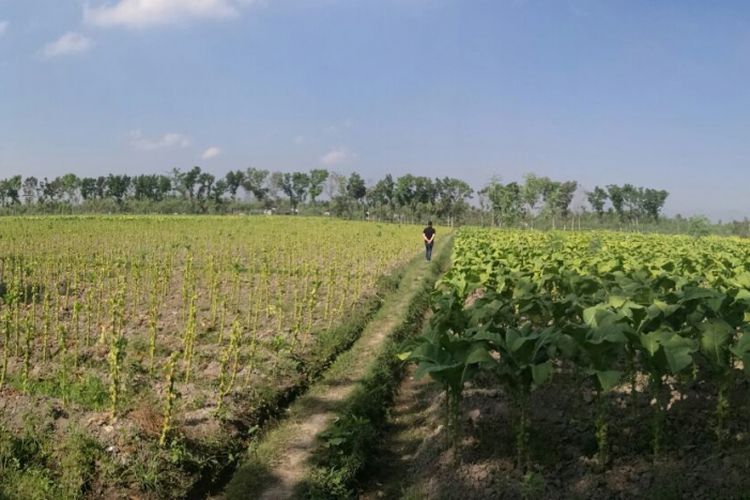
[{"x": 370, "y": 380}]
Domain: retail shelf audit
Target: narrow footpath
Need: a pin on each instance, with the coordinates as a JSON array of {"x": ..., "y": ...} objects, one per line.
[{"x": 278, "y": 464}]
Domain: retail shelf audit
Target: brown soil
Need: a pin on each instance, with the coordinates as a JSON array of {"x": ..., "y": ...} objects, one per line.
[{"x": 417, "y": 461}]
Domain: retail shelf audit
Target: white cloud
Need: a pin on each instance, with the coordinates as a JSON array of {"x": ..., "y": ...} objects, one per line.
[
  {"x": 336, "y": 156},
  {"x": 149, "y": 13},
  {"x": 68, "y": 44},
  {"x": 169, "y": 140},
  {"x": 211, "y": 152},
  {"x": 3, "y": 26}
]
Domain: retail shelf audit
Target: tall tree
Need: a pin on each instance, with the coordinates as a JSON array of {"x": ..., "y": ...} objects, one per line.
[
  {"x": 88, "y": 188},
  {"x": 616, "y": 198},
  {"x": 205, "y": 183},
  {"x": 565, "y": 192},
  {"x": 318, "y": 178},
  {"x": 234, "y": 180},
  {"x": 144, "y": 187},
  {"x": 355, "y": 188},
  {"x": 69, "y": 184},
  {"x": 300, "y": 184},
  {"x": 383, "y": 193},
  {"x": 101, "y": 187},
  {"x": 256, "y": 183},
  {"x": 117, "y": 187},
  {"x": 9, "y": 190},
  {"x": 632, "y": 201},
  {"x": 532, "y": 191},
  {"x": 452, "y": 196},
  {"x": 597, "y": 198},
  {"x": 405, "y": 191},
  {"x": 284, "y": 183},
  {"x": 653, "y": 202},
  {"x": 30, "y": 189},
  {"x": 217, "y": 193},
  {"x": 506, "y": 201},
  {"x": 51, "y": 189}
]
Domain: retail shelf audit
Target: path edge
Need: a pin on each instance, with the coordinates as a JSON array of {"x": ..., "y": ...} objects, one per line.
[{"x": 345, "y": 447}]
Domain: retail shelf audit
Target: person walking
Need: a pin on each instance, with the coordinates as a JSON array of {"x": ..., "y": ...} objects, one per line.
[{"x": 428, "y": 235}]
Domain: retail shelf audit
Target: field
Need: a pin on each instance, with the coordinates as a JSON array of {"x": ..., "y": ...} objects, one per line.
[
  {"x": 132, "y": 350},
  {"x": 587, "y": 365},
  {"x": 140, "y": 356}
]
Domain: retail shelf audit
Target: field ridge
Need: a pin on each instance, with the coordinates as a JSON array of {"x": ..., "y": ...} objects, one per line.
[{"x": 279, "y": 464}]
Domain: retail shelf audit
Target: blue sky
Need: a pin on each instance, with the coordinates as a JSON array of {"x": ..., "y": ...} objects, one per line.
[{"x": 651, "y": 93}]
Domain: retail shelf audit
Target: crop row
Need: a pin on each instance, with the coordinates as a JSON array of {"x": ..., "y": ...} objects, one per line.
[
  {"x": 522, "y": 306},
  {"x": 177, "y": 316}
]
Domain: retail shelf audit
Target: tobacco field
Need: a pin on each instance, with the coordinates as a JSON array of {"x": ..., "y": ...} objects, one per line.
[
  {"x": 133, "y": 350},
  {"x": 623, "y": 360}
]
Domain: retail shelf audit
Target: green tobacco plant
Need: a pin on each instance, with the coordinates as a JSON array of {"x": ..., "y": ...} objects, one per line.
[
  {"x": 716, "y": 337},
  {"x": 523, "y": 362},
  {"x": 666, "y": 352},
  {"x": 519, "y": 354},
  {"x": 600, "y": 345},
  {"x": 448, "y": 354}
]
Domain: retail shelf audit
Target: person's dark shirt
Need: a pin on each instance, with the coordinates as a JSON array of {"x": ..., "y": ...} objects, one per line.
[{"x": 429, "y": 231}]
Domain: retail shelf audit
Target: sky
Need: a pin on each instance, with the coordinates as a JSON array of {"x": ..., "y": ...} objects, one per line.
[{"x": 652, "y": 93}]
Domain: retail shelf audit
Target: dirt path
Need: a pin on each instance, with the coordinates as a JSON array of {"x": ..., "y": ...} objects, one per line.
[
  {"x": 415, "y": 410},
  {"x": 292, "y": 443}
]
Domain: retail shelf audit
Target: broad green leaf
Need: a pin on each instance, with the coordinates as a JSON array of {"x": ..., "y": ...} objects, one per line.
[
  {"x": 617, "y": 300},
  {"x": 478, "y": 354},
  {"x": 743, "y": 295},
  {"x": 541, "y": 372},
  {"x": 608, "y": 378},
  {"x": 679, "y": 352},
  {"x": 714, "y": 339},
  {"x": 742, "y": 280}
]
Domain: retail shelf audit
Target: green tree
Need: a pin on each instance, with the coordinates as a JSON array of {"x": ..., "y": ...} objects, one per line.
[
  {"x": 405, "y": 191},
  {"x": 565, "y": 192},
  {"x": 452, "y": 197},
  {"x": 255, "y": 182},
  {"x": 300, "y": 184},
  {"x": 355, "y": 188},
  {"x": 9, "y": 189},
  {"x": 30, "y": 189},
  {"x": 205, "y": 183},
  {"x": 117, "y": 187},
  {"x": 506, "y": 201},
  {"x": 51, "y": 190},
  {"x": 146, "y": 187},
  {"x": 69, "y": 184},
  {"x": 318, "y": 177},
  {"x": 597, "y": 198},
  {"x": 88, "y": 188},
  {"x": 632, "y": 201},
  {"x": 284, "y": 183},
  {"x": 532, "y": 191},
  {"x": 617, "y": 198},
  {"x": 653, "y": 201},
  {"x": 383, "y": 194},
  {"x": 234, "y": 180}
]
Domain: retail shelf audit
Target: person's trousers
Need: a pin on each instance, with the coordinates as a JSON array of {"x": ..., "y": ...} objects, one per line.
[{"x": 428, "y": 251}]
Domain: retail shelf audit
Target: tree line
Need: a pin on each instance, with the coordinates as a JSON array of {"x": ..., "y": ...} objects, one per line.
[{"x": 408, "y": 197}]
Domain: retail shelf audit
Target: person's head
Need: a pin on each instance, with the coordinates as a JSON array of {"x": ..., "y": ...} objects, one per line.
[{"x": 429, "y": 223}]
